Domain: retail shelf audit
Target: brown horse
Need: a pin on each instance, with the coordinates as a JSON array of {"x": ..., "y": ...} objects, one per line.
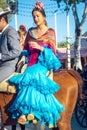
[{"x": 71, "y": 85}]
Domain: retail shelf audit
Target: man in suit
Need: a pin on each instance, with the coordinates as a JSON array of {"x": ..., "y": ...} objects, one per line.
[{"x": 9, "y": 46}]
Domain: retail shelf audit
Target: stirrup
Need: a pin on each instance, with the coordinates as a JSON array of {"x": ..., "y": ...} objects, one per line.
[
  {"x": 30, "y": 117},
  {"x": 34, "y": 121},
  {"x": 51, "y": 126},
  {"x": 22, "y": 120}
]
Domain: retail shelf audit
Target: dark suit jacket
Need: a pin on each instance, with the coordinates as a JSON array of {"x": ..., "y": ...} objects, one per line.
[{"x": 10, "y": 50}]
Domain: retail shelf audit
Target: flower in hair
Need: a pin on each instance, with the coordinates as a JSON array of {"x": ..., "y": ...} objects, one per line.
[
  {"x": 39, "y": 5},
  {"x": 23, "y": 27}
]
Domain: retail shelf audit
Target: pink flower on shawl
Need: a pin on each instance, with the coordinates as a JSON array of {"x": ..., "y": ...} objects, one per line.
[{"x": 39, "y": 5}]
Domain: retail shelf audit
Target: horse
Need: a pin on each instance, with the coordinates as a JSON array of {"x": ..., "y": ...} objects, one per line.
[{"x": 70, "y": 88}]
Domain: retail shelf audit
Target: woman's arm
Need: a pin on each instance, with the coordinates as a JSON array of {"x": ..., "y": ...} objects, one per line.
[{"x": 35, "y": 45}]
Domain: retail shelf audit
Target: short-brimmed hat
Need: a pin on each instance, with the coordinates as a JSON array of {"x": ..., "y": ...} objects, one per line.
[{"x": 4, "y": 12}]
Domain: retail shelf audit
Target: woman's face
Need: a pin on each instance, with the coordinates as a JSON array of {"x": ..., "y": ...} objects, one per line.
[{"x": 38, "y": 18}]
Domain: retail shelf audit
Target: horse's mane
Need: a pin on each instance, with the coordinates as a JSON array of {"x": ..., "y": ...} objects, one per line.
[{"x": 77, "y": 76}]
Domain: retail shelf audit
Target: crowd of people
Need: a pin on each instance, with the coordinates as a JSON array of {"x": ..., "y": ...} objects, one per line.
[{"x": 35, "y": 90}]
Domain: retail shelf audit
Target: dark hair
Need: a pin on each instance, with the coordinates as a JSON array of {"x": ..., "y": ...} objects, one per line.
[
  {"x": 41, "y": 11},
  {"x": 5, "y": 17}
]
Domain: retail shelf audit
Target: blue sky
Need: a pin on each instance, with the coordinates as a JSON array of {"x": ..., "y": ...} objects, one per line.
[{"x": 24, "y": 17}]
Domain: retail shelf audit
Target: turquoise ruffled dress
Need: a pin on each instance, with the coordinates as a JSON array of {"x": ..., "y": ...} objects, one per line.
[{"x": 35, "y": 91}]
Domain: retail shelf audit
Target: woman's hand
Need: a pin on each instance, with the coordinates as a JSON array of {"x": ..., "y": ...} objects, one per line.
[
  {"x": 35, "y": 45},
  {"x": 22, "y": 60}
]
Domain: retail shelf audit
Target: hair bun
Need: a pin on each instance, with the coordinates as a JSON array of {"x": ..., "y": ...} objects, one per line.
[
  {"x": 22, "y": 27},
  {"x": 39, "y": 5}
]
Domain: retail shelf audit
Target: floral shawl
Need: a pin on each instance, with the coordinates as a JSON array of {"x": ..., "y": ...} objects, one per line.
[{"x": 47, "y": 40}]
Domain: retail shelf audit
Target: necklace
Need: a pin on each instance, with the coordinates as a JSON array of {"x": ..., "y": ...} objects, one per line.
[{"x": 38, "y": 32}]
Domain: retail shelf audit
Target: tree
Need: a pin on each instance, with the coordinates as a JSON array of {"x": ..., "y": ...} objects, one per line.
[
  {"x": 13, "y": 4},
  {"x": 62, "y": 44},
  {"x": 3, "y": 4},
  {"x": 78, "y": 26}
]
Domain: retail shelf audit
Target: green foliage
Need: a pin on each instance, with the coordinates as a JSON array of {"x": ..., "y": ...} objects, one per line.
[
  {"x": 3, "y": 4},
  {"x": 63, "y": 44},
  {"x": 69, "y": 2},
  {"x": 13, "y": 4}
]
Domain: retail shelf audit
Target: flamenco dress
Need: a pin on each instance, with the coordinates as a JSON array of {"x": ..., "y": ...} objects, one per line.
[{"x": 35, "y": 91}]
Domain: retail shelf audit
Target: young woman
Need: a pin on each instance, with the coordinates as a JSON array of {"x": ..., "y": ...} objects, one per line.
[
  {"x": 22, "y": 34},
  {"x": 35, "y": 99}
]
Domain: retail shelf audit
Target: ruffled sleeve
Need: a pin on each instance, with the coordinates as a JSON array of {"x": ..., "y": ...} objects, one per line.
[
  {"x": 24, "y": 53},
  {"x": 48, "y": 59}
]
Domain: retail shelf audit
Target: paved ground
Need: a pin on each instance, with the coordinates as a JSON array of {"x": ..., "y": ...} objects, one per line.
[{"x": 74, "y": 124}]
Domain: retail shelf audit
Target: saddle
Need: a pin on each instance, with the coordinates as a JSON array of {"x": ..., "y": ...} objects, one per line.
[{"x": 8, "y": 88}]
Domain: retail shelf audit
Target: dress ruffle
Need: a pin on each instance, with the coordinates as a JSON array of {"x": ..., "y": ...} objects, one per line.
[
  {"x": 24, "y": 53},
  {"x": 49, "y": 60},
  {"x": 44, "y": 107},
  {"x": 35, "y": 91},
  {"x": 35, "y": 76}
]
